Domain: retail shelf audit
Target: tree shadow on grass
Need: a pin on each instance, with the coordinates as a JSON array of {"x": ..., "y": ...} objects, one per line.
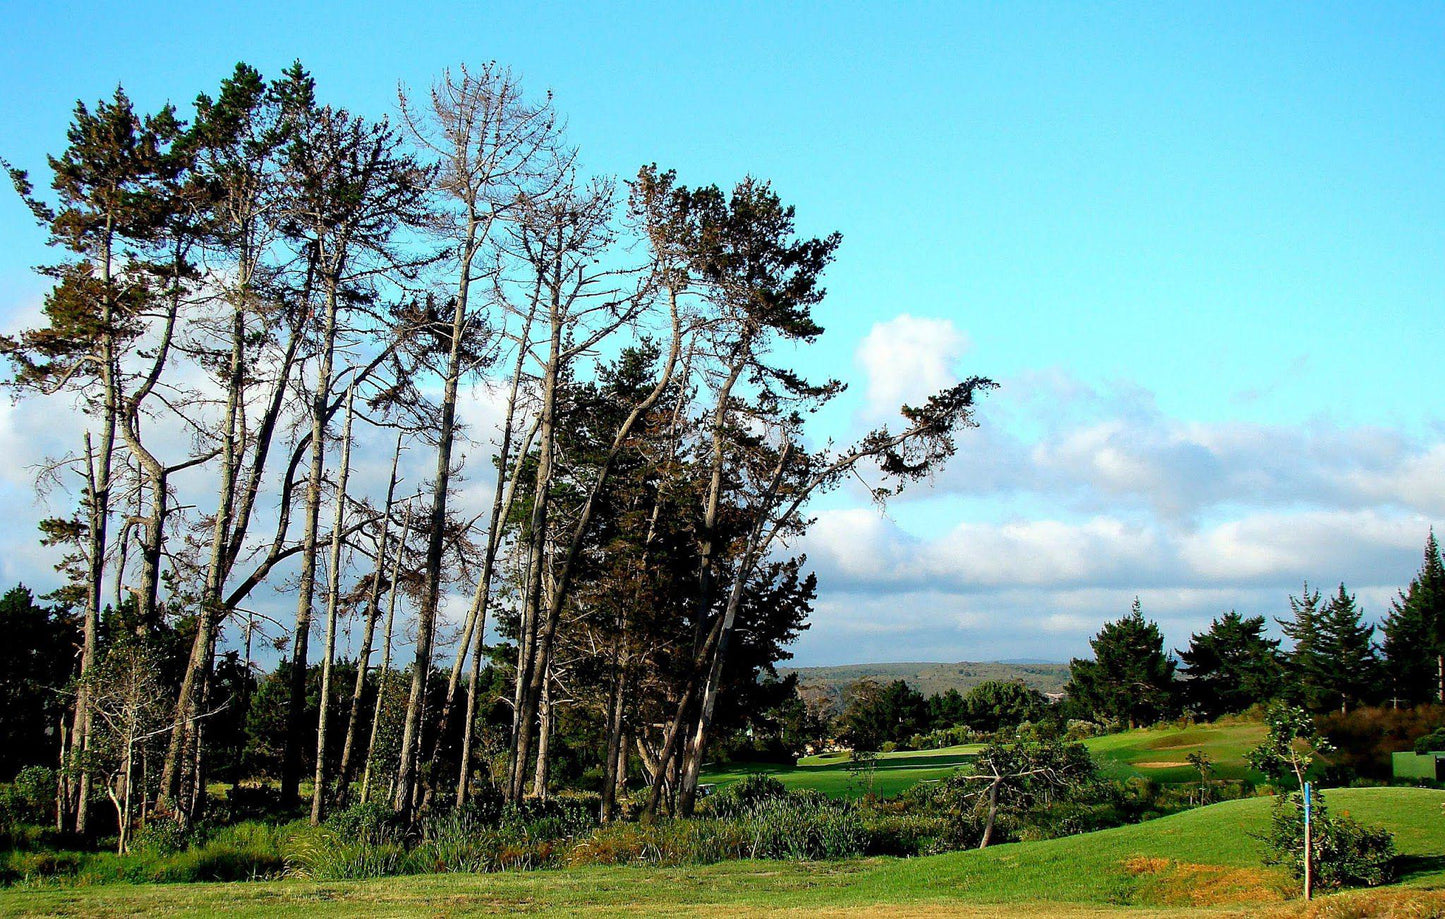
[{"x": 1409, "y": 867}]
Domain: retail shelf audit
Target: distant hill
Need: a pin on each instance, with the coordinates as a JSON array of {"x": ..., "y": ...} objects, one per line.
[{"x": 930, "y": 678}]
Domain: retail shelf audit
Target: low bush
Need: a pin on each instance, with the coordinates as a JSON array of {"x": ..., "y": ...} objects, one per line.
[
  {"x": 1344, "y": 852},
  {"x": 745, "y": 795}
]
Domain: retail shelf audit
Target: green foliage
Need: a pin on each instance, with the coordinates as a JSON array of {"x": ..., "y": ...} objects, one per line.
[
  {"x": 1231, "y": 667},
  {"x": 1415, "y": 633},
  {"x": 1347, "y": 649},
  {"x": 743, "y": 796},
  {"x": 1432, "y": 742},
  {"x": 876, "y": 714},
  {"x": 995, "y": 704},
  {"x": 28, "y": 799},
  {"x": 1344, "y": 852},
  {"x": 806, "y": 827},
  {"x": 35, "y": 660},
  {"x": 1333, "y": 665},
  {"x": 1290, "y": 747},
  {"x": 1130, "y": 679}
]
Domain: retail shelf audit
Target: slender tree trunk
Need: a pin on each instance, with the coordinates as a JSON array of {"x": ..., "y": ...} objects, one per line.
[
  {"x": 363, "y": 658},
  {"x": 305, "y": 594},
  {"x": 384, "y": 675},
  {"x": 99, "y": 500},
  {"x": 528, "y": 662},
  {"x": 547, "y": 628},
  {"x": 614, "y": 750},
  {"x": 333, "y": 601},
  {"x": 211, "y": 604},
  {"x": 426, "y": 620},
  {"x": 504, "y": 494},
  {"x": 992, "y": 815},
  {"x": 544, "y": 742}
]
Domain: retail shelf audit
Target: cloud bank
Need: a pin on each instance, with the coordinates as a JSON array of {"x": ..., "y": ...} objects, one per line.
[{"x": 1071, "y": 499}]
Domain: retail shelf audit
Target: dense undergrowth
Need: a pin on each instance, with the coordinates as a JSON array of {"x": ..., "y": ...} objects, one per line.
[{"x": 755, "y": 818}]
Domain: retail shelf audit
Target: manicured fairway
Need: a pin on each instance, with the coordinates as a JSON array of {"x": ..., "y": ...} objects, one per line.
[
  {"x": 1201, "y": 861},
  {"x": 1158, "y": 754},
  {"x": 831, "y": 774}
]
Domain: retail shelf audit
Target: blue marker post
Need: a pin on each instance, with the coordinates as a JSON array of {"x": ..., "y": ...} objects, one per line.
[{"x": 1309, "y": 847}]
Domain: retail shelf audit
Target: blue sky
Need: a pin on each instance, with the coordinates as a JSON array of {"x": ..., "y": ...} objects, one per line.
[{"x": 1202, "y": 247}]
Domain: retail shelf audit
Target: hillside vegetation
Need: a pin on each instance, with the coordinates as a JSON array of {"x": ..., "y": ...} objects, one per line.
[
  {"x": 930, "y": 679},
  {"x": 1176, "y": 866}
]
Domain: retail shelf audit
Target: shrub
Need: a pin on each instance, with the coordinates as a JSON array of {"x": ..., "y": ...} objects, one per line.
[
  {"x": 745, "y": 795},
  {"x": 666, "y": 843},
  {"x": 1432, "y": 742},
  {"x": 25, "y": 805},
  {"x": 1345, "y": 852},
  {"x": 372, "y": 822},
  {"x": 322, "y": 854},
  {"x": 805, "y": 828},
  {"x": 907, "y": 835}
]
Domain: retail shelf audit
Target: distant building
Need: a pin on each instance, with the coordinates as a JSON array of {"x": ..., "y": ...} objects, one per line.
[{"x": 1429, "y": 766}]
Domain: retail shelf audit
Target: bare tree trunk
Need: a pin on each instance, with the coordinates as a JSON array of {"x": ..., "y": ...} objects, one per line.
[
  {"x": 363, "y": 658},
  {"x": 544, "y": 742},
  {"x": 426, "y": 619},
  {"x": 528, "y": 658},
  {"x": 384, "y": 675},
  {"x": 333, "y": 600},
  {"x": 211, "y": 610},
  {"x": 992, "y": 814},
  {"x": 98, "y": 488},
  {"x": 503, "y": 495},
  {"x": 301, "y": 637},
  {"x": 613, "y": 752},
  {"x": 547, "y": 627}
]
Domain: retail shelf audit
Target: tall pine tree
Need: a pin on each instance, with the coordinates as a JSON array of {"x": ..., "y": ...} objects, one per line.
[
  {"x": 1415, "y": 634},
  {"x": 1347, "y": 653},
  {"x": 1309, "y": 681}
]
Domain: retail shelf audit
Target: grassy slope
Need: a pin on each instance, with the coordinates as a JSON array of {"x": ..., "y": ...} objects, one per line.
[
  {"x": 1158, "y": 754},
  {"x": 1174, "y": 866},
  {"x": 829, "y": 773}
]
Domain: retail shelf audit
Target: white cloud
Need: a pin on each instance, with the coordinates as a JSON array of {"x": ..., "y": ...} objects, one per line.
[{"x": 907, "y": 359}]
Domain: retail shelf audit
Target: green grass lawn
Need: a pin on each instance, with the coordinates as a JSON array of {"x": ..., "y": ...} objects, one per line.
[
  {"x": 1198, "y": 861},
  {"x": 1160, "y": 753},
  {"x": 830, "y": 772}
]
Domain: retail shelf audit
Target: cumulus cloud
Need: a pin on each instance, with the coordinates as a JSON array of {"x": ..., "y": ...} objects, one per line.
[
  {"x": 1077, "y": 497},
  {"x": 907, "y": 359},
  {"x": 1110, "y": 448}
]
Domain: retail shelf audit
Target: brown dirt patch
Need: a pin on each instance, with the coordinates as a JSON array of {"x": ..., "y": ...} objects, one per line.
[{"x": 1171, "y": 883}]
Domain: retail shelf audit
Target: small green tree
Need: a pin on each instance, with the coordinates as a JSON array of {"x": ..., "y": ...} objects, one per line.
[
  {"x": 1290, "y": 747},
  {"x": 1342, "y": 851},
  {"x": 1205, "y": 767}
]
